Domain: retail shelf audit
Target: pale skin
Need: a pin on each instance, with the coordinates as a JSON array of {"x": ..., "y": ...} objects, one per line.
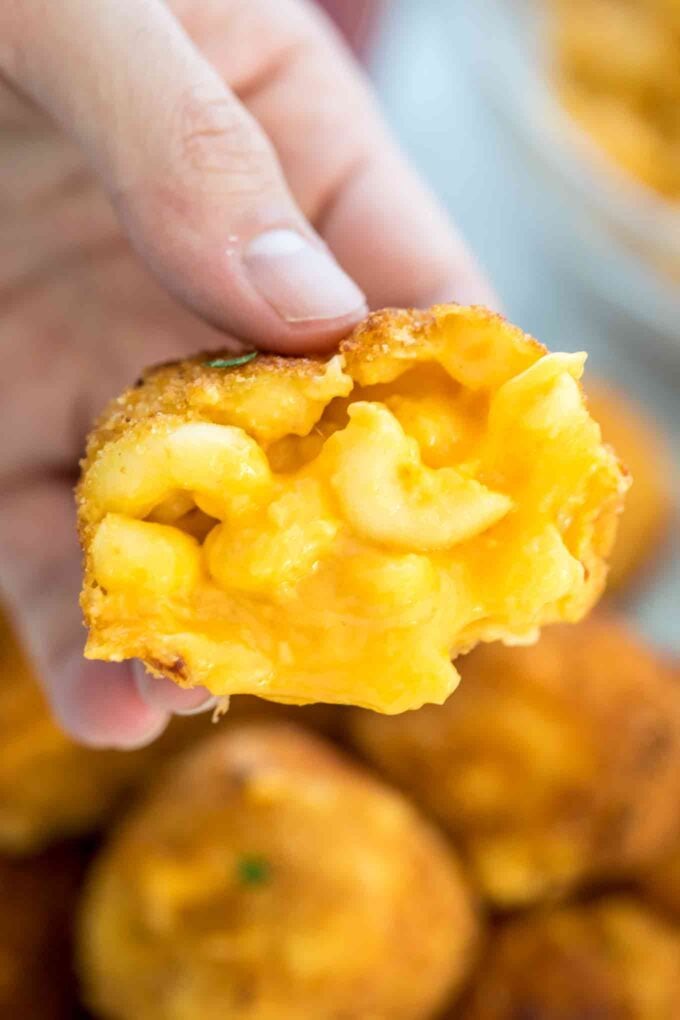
[{"x": 174, "y": 177}]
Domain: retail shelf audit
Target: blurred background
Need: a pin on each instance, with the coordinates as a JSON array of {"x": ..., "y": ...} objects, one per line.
[
  {"x": 569, "y": 239},
  {"x": 514, "y": 854}
]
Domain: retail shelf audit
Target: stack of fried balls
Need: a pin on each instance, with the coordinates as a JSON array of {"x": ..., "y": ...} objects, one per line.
[{"x": 403, "y": 851}]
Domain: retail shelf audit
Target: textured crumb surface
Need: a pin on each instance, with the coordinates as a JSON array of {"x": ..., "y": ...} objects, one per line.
[
  {"x": 268, "y": 878},
  {"x": 552, "y": 766},
  {"x": 337, "y": 529}
]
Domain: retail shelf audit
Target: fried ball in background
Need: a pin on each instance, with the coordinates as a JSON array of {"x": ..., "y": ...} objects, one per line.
[
  {"x": 610, "y": 959},
  {"x": 268, "y": 878},
  {"x": 553, "y": 765},
  {"x": 646, "y": 517},
  {"x": 51, "y": 787},
  {"x": 334, "y": 530},
  {"x": 38, "y": 897}
]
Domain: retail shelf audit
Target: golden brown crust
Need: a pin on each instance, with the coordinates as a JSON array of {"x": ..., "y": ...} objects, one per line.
[
  {"x": 553, "y": 764},
  {"x": 267, "y": 878},
  {"x": 191, "y": 389},
  {"x": 611, "y": 959}
]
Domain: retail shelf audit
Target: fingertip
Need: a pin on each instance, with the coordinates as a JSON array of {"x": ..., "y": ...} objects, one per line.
[
  {"x": 163, "y": 695},
  {"x": 467, "y": 286},
  {"x": 99, "y": 705},
  {"x": 301, "y": 281}
]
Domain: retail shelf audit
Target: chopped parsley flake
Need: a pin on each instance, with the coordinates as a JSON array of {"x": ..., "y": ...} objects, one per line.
[
  {"x": 253, "y": 870},
  {"x": 238, "y": 359}
]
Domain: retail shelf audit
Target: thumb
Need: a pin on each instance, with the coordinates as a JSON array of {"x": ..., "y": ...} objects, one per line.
[{"x": 195, "y": 181}]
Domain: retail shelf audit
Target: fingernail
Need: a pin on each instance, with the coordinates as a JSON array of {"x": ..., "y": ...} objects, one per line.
[
  {"x": 163, "y": 694},
  {"x": 205, "y": 705},
  {"x": 301, "y": 281},
  {"x": 98, "y": 704},
  {"x": 143, "y": 738}
]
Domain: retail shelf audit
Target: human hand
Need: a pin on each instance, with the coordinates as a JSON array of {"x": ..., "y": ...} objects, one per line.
[{"x": 171, "y": 174}]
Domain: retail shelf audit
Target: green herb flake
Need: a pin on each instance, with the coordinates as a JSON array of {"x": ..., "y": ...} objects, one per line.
[
  {"x": 238, "y": 359},
  {"x": 253, "y": 870}
]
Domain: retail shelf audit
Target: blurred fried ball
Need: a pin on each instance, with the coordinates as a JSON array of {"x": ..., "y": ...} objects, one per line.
[
  {"x": 51, "y": 787},
  {"x": 38, "y": 897},
  {"x": 552, "y": 764},
  {"x": 626, "y": 94},
  {"x": 336, "y": 530},
  {"x": 646, "y": 516},
  {"x": 610, "y": 959},
  {"x": 268, "y": 878}
]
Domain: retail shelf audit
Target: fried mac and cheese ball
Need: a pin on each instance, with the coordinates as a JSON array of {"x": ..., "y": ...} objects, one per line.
[
  {"x": 553, "y": 765},
  {"x": 268, "y": 878},
  {"x": 335, "y": 529},
  {"x": 38, "y": 897},
  {"x": 610, "y": 959},
  {"x": 647, "y": 514},
  {"x": 51, "y": 787}
]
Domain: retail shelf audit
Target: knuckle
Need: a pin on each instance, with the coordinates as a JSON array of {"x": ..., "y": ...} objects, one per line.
[{"x": 216, "y": 135}]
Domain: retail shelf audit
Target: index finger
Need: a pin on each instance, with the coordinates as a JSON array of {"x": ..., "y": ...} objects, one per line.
[{"x": 340, "y": 160}]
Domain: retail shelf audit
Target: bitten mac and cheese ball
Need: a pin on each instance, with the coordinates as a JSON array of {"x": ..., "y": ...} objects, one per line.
[
  {"x": 551, "y": 766},
  {"x": 335, "y": 529},
  {"x": 611, "y": 959},
  {"x": 646, "y": 517},
  {"x": 268, "y": 878},
  {"x": 51, "y": 787}
]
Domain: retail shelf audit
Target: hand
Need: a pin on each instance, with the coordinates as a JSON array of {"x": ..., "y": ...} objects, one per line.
[{"x": 170, "y": 174}]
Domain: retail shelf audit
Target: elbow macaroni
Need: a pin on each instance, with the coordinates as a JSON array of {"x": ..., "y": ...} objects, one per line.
[{"x": 335, "y": 530}]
